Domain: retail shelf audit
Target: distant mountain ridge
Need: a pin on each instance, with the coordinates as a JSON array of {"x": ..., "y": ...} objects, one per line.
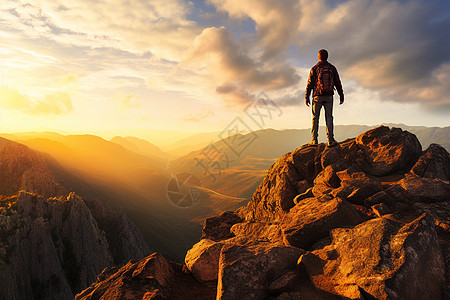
[
  {"x": 141, "y": 146},
  {"x": 139, "y": 184}
]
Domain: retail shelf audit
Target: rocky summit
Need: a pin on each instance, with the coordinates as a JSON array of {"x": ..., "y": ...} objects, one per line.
[{"x": 366, "y": 219}]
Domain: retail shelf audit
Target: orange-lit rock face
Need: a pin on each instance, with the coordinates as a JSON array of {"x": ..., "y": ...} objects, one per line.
[
  {"x": 311, "y": 220},
  {"x": 367, "y": 219},
  {"x": 377, "y": 152},
  {"x": 377, "y": 181},
  {"x": 381, "y": 257},
  {"x": 388, "y": 150}
]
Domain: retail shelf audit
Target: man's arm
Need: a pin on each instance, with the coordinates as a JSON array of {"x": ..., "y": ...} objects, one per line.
[
  {"x": 338, "y": 85},
  {"x": 309, "y": 86}
]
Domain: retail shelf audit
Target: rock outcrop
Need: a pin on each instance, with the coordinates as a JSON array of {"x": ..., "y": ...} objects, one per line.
[
  {"x": 153, "y": 277},
  {"x": 367, "y": 219},
  {"x": 382, "y": 258},
  {"x": 53, "y": 248},
  {"x": 149, "y": 278}
]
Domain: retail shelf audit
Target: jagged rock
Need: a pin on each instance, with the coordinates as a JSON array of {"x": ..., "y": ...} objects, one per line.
[
  {"x": 88, "y": 245},
  {"x": 245, "y": 272},
  {"x": 218, "y": 228},
  {"x": 388, "y": 150},
  {"x": 203, "y": 260},
  {"x": 358, "y": 186},
  {"x": 274, "y": 196},
  {"x": 434, "y": 163},
  {"x": 313, "y": 218},
  {"x": 47, "y": 277},
  {"x": 381, "y": 258},
  {"x": 425, "y": 189},
  {"x": 129, "y": 242},
  {"x": 54, "y": 247},
  {"x": 344, "y": 156},
  {"x": 149, "y": 278},
  {"x": 325, "y": 181}
]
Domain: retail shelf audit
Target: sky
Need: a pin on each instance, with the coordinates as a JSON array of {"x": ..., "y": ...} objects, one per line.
[{"x": 126, "y": 67}]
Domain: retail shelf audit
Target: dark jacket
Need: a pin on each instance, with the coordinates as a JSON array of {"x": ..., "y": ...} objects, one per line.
[{"x": 312, "y": 80}]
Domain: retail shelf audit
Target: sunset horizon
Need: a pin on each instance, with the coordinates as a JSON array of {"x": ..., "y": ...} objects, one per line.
[{"x": 195, "y": 66}]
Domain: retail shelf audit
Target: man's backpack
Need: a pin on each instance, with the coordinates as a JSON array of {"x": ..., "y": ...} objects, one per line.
[{"x": 324, "y": 84}]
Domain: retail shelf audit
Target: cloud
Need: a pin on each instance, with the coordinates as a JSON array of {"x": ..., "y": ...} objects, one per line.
[
  {"x": 127, "y": 101},
  {"x": 401, "y": 49},
  {"x": 11, "y": 99},
  {"x": 159, "y": 26},
  {"x": 69, "y": 79},
  {"x": 235, "y": 95},
  {"x": 294, "y": 99},
  {"x": 398, "y": 48},
  {"x": 276, "y": 22},
  {"x": 233, "y": 71},
  {"x": 58, "y": 103},
  {"x": 198, "y": 116}
]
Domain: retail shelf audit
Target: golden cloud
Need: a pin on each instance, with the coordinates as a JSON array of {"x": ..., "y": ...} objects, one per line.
[
  {"x": 58, "y": 103},
  {"x": 198, "y": 116},
  {"x": 235, "y": 73},
  {"x": 158, "y": 26}
]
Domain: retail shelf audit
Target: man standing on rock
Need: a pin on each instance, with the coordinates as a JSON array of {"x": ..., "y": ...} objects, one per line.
[{"x": 322, "y": 80}]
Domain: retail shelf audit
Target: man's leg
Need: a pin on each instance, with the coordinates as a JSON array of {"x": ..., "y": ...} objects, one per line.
[
  {"x": 316, "y": 106},
  {"x": 328, "y": 105}
]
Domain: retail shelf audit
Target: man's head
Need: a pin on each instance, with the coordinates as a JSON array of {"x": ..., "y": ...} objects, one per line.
[{"x": 323, "y": 55}]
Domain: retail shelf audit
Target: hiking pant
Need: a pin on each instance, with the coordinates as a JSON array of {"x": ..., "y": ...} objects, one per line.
[{"x": 327, "y": 103}]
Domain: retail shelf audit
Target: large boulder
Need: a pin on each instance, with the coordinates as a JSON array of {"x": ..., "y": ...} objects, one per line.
[
  {"x": 424, "y": 189},
  {"x": 203, "y": 260},
  {"x": 356, "y": 186},
  {"x": 325, "y": 181},
  {"x": 246, "y": 272},
  {"x": 388, "y": 150},
  {"x": 312, "y": 219},
  {"x": 380, "y": 259}
]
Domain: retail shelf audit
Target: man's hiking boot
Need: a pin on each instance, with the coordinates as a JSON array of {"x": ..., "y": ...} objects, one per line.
[
  {"x": 312, "y": 143},
  {"x": 332, "y": 143}
]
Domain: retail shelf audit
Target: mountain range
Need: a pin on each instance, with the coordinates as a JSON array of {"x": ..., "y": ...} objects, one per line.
[{"x": 135, "y": 175}]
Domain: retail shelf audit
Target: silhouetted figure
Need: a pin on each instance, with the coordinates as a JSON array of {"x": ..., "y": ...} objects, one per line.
[{"x": 323, "y": 77}]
